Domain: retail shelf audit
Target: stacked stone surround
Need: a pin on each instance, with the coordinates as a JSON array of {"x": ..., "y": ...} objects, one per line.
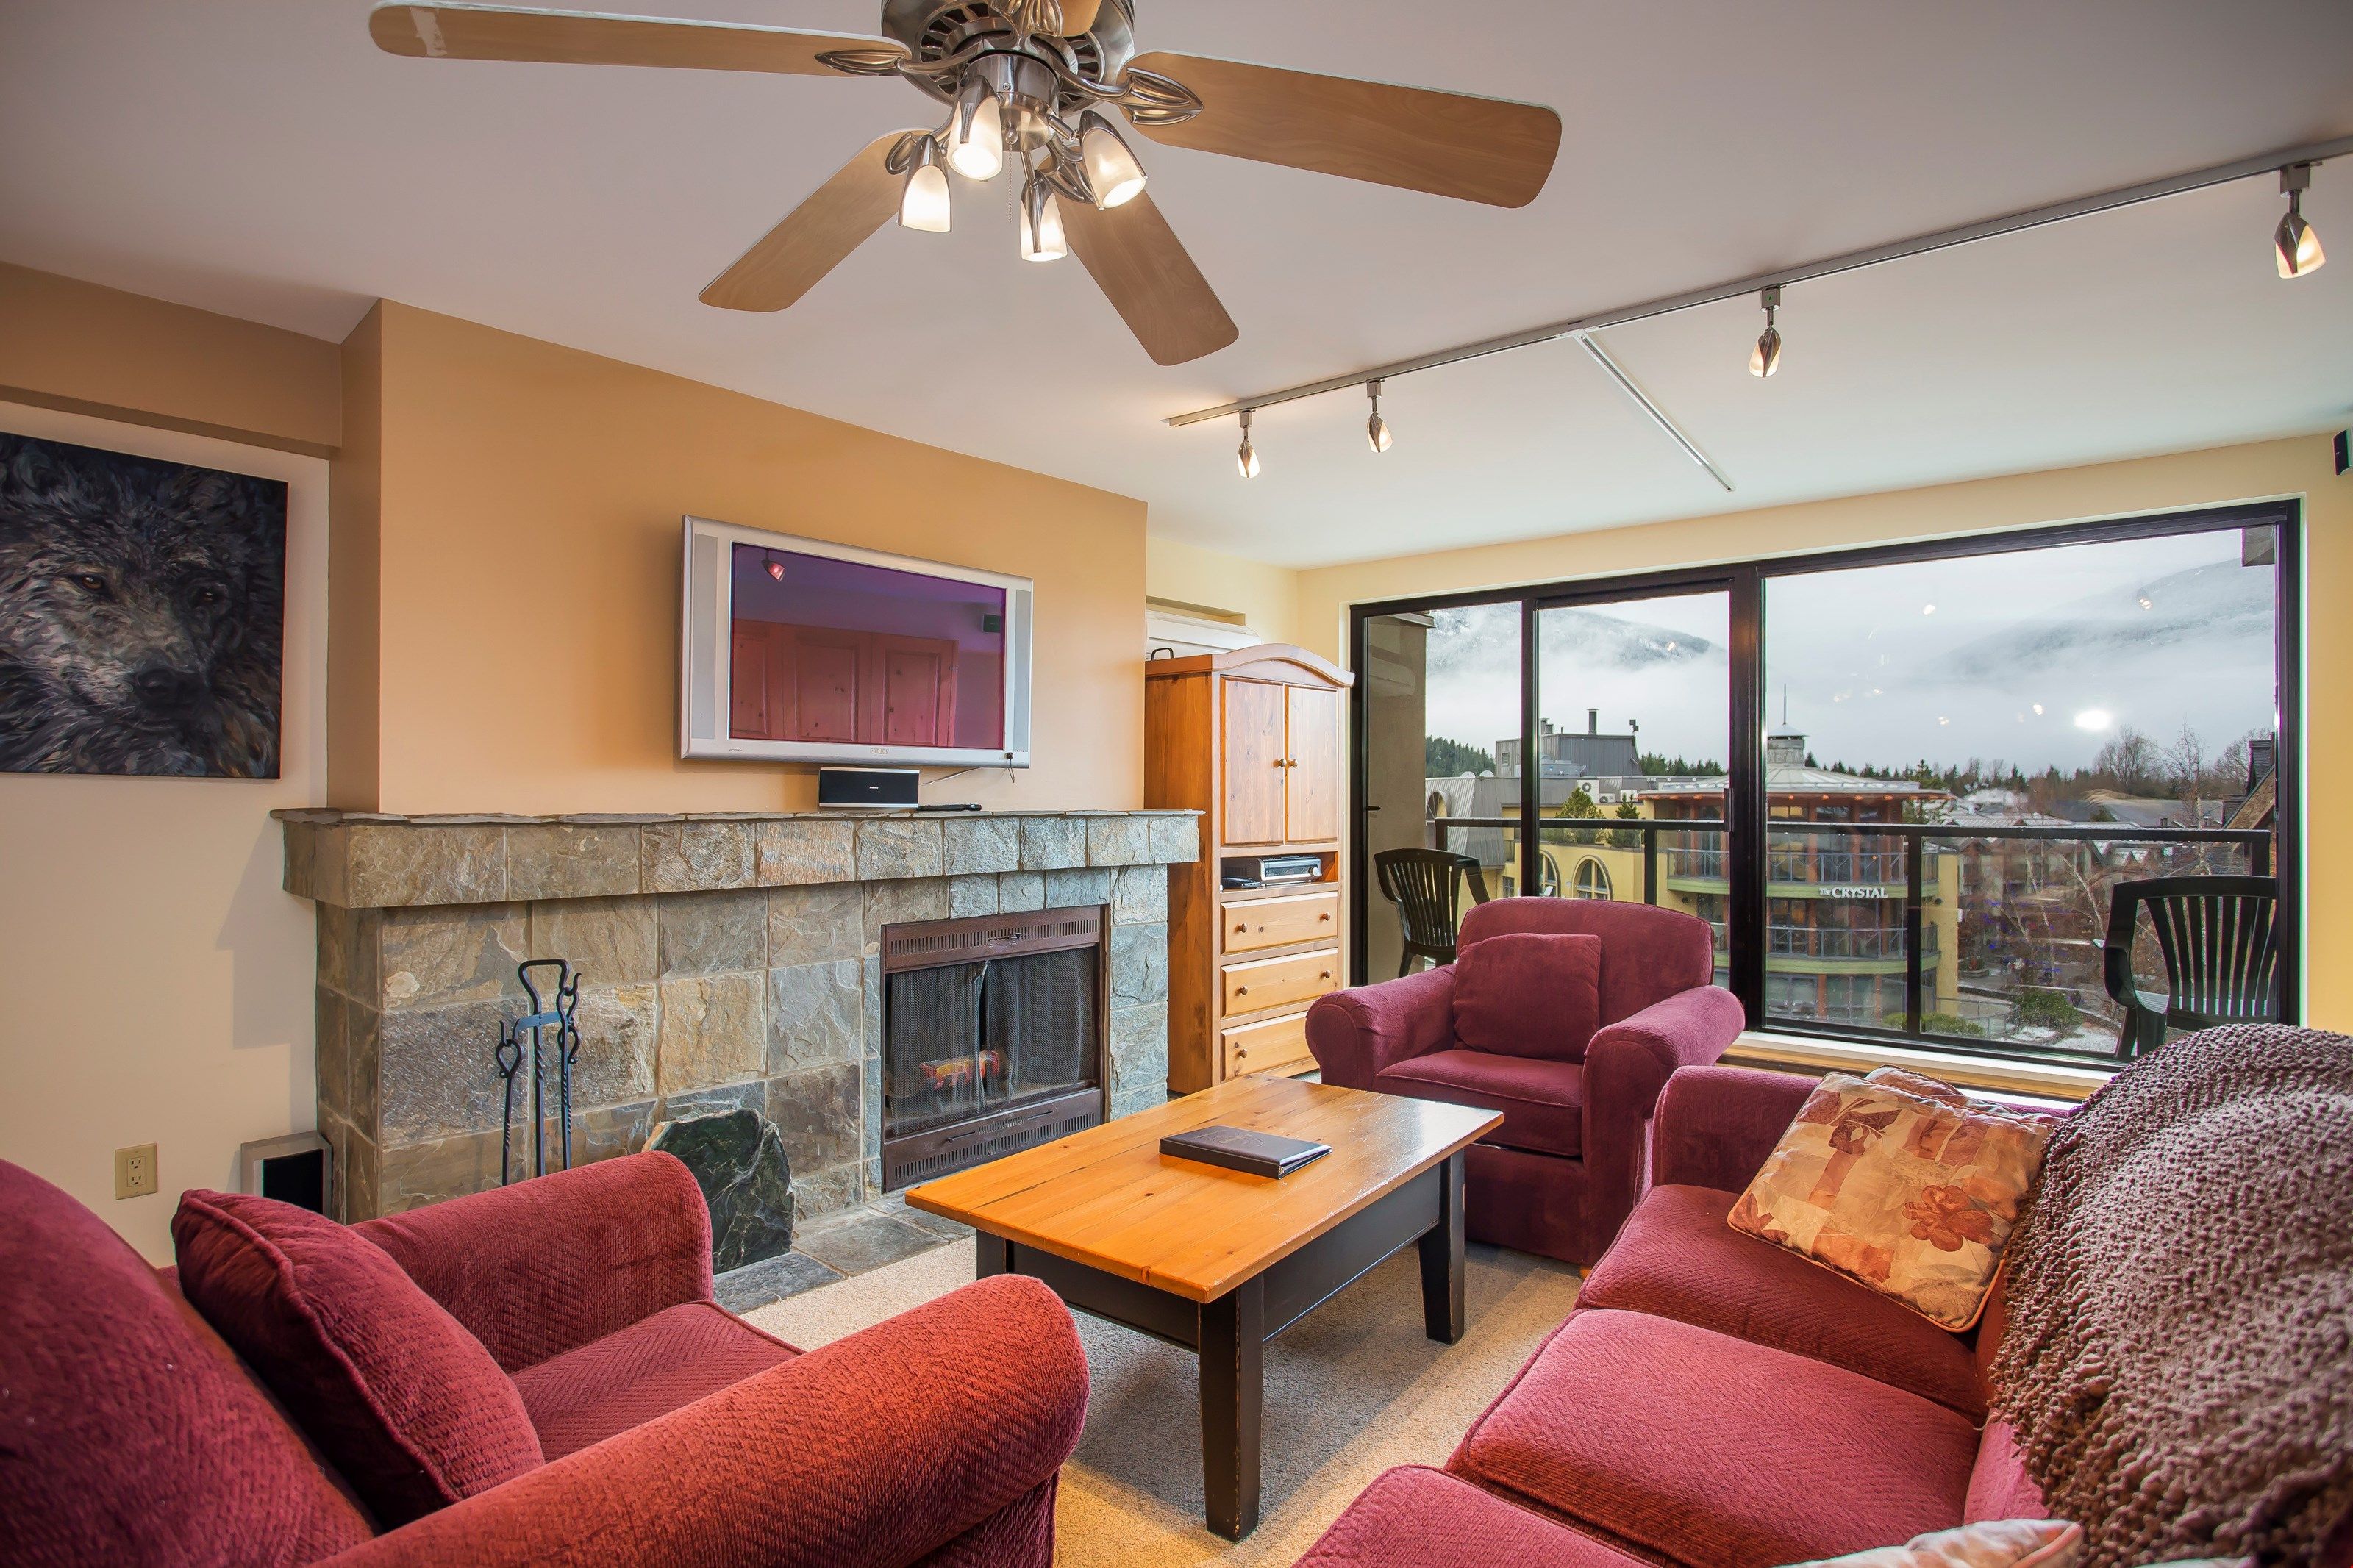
[{"x": 730, "y": 962}]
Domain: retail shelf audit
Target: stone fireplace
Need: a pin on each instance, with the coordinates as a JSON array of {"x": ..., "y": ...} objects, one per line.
[{"x": 730, "y": 962}]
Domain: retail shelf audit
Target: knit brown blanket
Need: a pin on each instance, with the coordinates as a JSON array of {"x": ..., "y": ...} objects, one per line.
[{"x": 2179, "y": 1358}]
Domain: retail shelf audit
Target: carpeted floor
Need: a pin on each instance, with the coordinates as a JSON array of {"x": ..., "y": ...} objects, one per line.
[{"x": 1350, "y": 1391}]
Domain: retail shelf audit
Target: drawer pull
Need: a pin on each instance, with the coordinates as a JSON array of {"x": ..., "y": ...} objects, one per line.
[
  {"x": 1239, "y": 1052},
  {"x": 1326, "y": 916},
  {"x": 1326, "y": 975},
  {"x": 1241, "y": 990}
]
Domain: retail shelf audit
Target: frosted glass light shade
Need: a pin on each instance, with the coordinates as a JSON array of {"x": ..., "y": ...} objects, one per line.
[
  {"x": 1041, "y": 227},
  {"x": 1112, "y": 172},
  {"x": 925, "y": 204},
  {"x": 979, "y": 150}
]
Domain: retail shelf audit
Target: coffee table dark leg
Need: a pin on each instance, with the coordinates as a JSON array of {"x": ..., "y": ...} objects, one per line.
[
  {"x": 991, "y": 1255},
  {"x": 1233, "y": 1366},
  {"x": 1441, "y": 1259}
]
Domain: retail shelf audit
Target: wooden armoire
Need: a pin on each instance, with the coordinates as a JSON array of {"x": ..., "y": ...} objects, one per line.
[{"x": 1253, "y": 740}]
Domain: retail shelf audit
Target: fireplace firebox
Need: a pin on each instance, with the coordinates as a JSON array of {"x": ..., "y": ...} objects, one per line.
[{"x": 993, "y": 1036}]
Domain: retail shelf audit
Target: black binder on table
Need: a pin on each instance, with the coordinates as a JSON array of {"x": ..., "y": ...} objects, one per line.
[{"x": 1239, "y": 1149}]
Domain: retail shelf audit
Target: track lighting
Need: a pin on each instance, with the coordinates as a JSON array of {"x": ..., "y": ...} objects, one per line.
[
  {"x": 925, "y": 203},
  {"x": 1765, "y": 357},
  {"x": 1041, "y": 224},
  {"x": 1246, "y": 455},
  {"x": 1376, "y": 429},
  {"x": 1112, "y": 172},
  {"x": 2294, "y": 244},
  {"x": 979, "y": 150}
]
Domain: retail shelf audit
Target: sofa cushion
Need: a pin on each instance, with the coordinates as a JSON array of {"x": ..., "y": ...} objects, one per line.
[
  {"x": 648, "y": 1369},
  {"x": 1714, "y": 1452},
  {"x": 1527, "y": 994},
  {"x": 1414, "y": 1517},
  {"x": 1678, "y": 1258},
  {"x": 1542, "y": 1101},
  {"x": 1999, "y": 1487},
  {"x": 148, "y": 1444},
  {"x": 1913, "y": 1195},
  {"x": 398, "y": 1396}
]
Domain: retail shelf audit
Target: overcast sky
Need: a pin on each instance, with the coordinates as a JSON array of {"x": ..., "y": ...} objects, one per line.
[{"x": 2033, "y": 658}]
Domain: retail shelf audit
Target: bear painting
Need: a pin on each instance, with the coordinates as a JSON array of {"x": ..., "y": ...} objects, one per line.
[{"x": 143, "y": 609}]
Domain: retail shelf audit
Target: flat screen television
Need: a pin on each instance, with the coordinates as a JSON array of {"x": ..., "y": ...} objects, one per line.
[{"x": 795, "y": 650}]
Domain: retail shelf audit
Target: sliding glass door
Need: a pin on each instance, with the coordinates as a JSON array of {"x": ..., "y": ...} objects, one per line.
[
  {"x": 1630, "y": 766},
  {"x": 1435, "y": 691},
  {"x": 1902, "y": 785}
]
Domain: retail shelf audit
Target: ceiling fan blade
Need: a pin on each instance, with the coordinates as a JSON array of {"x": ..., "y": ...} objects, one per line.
[
  {"x": 815, "y": 236},
  {"x": 1078, "y": 15},
  {"x": 1138, "y": 262},
  {"x": 1449, "y": 143},
  {"x": 467, "y": 32}
]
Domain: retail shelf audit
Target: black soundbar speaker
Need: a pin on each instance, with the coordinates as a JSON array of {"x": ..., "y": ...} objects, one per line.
[
  {"x": 2344, "y": 450},
  {"x": 868, "y": 787}
]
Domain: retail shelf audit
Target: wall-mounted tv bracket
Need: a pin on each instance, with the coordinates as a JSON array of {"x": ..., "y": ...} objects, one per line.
[{"x": 555, "y": 1040}]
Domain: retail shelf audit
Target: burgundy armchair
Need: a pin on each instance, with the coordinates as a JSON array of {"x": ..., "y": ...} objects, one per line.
[
  {"x": 675, "y": 1434},
  {"x": 1565, "y": 1169}
]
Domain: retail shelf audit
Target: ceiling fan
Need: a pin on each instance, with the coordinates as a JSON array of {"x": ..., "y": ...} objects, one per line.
[{"x": 1027, "y": 84}]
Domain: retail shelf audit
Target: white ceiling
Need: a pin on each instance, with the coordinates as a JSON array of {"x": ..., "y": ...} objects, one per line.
[{"x": 261, "y": 157}]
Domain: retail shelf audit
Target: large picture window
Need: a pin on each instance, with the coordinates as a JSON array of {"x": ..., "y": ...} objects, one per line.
[{"x": 1900, "y": 784}]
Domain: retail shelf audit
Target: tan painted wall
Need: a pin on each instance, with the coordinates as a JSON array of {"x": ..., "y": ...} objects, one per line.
[
  {"x": 1266, "y": 596},
  {"x": 530, "y": 502},
  {"x": 158, "y": 980},
  {"x": 353, "y": 752},
  {"x": 76, "y": 346},
  {"x": 2300, "y": 467}
]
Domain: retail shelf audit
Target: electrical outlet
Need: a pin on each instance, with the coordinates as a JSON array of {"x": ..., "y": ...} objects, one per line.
[{"x": 134, "y": 1171}]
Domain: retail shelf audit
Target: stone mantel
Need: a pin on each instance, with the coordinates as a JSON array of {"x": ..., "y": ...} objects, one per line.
[
  {"x": 730, "y": 961},
  {"x": 370, "y": 860}
]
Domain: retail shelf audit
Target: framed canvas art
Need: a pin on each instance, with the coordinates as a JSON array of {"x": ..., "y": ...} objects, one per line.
[{"x": 142, "y": 609}]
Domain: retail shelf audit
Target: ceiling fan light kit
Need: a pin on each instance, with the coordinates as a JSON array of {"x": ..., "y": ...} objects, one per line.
[
  {"x": 1112, "y": 172},
  {"x": 1036, "y": 83},
  {"x": 1042, "y": 238},
  {"x": 925, "y": 205}
]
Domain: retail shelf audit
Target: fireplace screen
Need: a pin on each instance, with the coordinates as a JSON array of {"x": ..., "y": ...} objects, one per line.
[{"x": 992, "y": 1038}]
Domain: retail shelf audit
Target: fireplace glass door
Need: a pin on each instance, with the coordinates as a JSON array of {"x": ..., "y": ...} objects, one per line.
[{"x": 967, "y": 1041}]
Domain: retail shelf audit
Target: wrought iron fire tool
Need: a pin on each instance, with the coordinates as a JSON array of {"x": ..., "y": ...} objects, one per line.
[{"x": 555, "y": 1013}]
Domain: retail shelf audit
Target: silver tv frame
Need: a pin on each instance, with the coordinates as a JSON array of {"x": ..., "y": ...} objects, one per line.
[{"x": 705, "y": 647}]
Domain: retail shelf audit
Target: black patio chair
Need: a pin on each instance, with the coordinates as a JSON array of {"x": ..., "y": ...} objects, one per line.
[
  {"x": 1426, "y": 886},
  {"x": 2222, "y": 959}
]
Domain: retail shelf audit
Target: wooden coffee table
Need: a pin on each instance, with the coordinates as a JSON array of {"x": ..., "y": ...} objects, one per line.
[{"x": 1219, "y": 1262}]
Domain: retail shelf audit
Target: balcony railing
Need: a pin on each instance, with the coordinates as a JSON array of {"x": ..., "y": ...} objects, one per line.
[{"x": 2010, "y": 962}]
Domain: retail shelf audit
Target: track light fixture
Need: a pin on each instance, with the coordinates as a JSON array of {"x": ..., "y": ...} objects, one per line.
[
  {"x": 1246, "y": 455},
  {"x": 1765, "y": 357},
  {"x": 2294, "y": 244},
  {"x": 924, "y": 205},
  {"x": 1376, "y": 429}
]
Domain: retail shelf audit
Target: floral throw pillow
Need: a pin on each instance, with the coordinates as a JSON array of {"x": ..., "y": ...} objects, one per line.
[{"x": 1902, "y": 1184}]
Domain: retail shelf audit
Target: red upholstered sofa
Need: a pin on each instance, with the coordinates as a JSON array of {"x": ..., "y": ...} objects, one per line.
[
  {"x": 674, "y": 1433},
  {"x": 1560, "y": 1175},
  {"x": 1714, "y": 1401}
]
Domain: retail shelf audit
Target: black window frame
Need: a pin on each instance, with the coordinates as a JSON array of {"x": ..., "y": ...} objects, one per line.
[{"x": 1746, "y": 812}]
